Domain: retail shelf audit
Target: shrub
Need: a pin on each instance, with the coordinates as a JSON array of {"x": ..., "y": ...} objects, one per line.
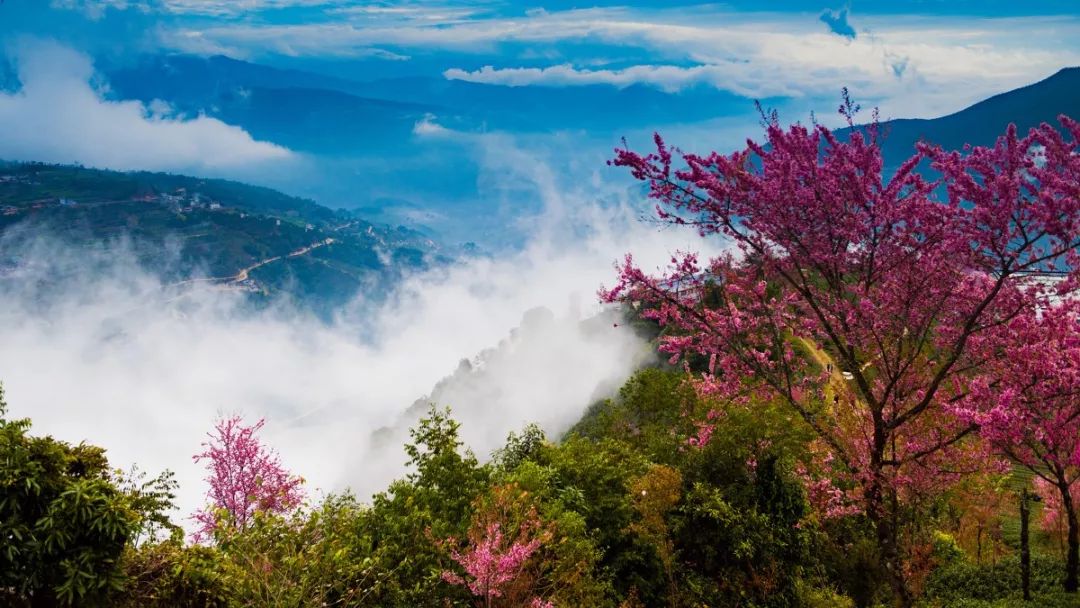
[
  {"x": 65, "y": 518},
  {"x": 168, "y": 574},
  {"x": 963, "y": 580}
]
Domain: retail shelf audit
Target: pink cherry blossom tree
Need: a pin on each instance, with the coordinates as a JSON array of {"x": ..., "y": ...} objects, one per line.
[
  {"x": 245, "y": 477},
  {"x": 866, "y": 303},
  {"x": 491, "y": 563},
  {"x": 1034, "y": 419},
  {"x": 503, "y": 541}
]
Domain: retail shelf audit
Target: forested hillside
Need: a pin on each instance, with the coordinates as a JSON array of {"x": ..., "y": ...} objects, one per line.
[{"x": 207, "y": 230}]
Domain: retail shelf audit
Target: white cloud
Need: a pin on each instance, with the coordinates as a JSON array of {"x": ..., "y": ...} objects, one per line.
[
  {"x": 350, "y": 35},
  {"x": 57, "y": 116},
  {"x": 671, "y": 78},
  {"x": 428, "y": 127},
  {"x": 234, "y": 8},
  {"x": 96, "y": 9},
  {"x": 922, "y": 66},
  {"x": 415, "y": 10}
]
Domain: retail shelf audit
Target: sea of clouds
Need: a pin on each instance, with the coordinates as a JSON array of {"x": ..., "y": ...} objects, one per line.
[{"x": 96, "y": 349}]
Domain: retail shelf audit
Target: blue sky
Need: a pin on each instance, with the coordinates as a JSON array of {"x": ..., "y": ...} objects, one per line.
[{"x": 915, "y": 57}]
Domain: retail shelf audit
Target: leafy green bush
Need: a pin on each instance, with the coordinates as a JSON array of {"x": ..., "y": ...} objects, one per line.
[
  {"x": 810, "y": 596},
  {"x": 654, "y": 413},
  {"x": 1057, "y": 599},
  {"x": 963, "y": 580},
  {"x": 406, "y": 523},
  {"x": 168, "y": 574},
  {"x": 945, "y": 548},
  {"x": 65, "y": 518},
  {"x": 309, "y": 558}
]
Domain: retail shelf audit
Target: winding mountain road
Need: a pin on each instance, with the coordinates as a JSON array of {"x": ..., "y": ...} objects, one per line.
[{"x": 243, "y": 273}]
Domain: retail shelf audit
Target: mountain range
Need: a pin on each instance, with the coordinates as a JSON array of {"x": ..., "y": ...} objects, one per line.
[
  {"x": 266, "y": 242},
  {"x": 324, "y": 114},
  {"x": 369, "y": 139},
  {"x": 320, "y": 113}
]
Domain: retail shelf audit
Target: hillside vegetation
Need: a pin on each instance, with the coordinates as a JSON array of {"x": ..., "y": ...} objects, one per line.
[{"x": 183, "y": 228}]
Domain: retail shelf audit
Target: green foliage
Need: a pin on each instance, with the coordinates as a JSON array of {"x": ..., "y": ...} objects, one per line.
[
  {"x": 735, "y": 534},
  {"x": 519, "y": 447},
  {"x": 64, "y": 518},
  {"x": 316, "y": 558},
  {"x": 168, "y": 574},
  {"x": 820, "y": 597},
  {"x": 433, "y": 502},
  {"x": 847, "y": 556},
  {"x": 654, "y": 412},
  {"x": 593, "y": 480},
  {"x": 963, "y": 579},
  {"x": 946, "y": 549},
  {"x": 742, "y": 529},
  {"x": 630, "y": 515},
  {"x": 737, "y": 554},
  {"x": 571, "y": 561},
  {"x": 1056, "y": 599}
]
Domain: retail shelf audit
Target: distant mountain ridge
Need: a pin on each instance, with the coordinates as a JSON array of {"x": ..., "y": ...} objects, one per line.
[
  {"x": 300, "y": 110},
  {"x": 980, "y": 124},
  {"x": 261, "y": 99},
  {"x": 309, "y": 111},
  {"x": 409, "y": 150}
]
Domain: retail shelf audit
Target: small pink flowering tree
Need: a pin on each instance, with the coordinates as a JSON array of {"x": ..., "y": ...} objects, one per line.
[
  {"x": 866, "y": 303},
  {"x": 497, "y": 560},
  {"x": 491, "y": 563},
  {"x": 1034, "y": 419},
  {"x": 245, "y": 478}
]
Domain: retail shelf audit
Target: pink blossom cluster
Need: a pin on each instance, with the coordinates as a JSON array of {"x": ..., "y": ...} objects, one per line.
[
  {"x": 826, "y": 498},
  {"x": 491, "y": 563},
  {"x": 1030, "y": 408},
  {"x": 1053, "y": 513},
  {"x": 245, "y": 478},
  {"x": 705, "y": 429}
]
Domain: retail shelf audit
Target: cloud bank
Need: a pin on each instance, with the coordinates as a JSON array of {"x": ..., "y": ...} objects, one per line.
[
  {"x": 107, "y": 355},
  {"x": 736, "y": 77},
  {"x": 911, "y": 65},
  {"x": 58, "y": 116}
]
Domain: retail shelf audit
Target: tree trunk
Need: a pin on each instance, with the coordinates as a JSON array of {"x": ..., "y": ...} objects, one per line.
[
  {"x": 888, "y": 552},
  {"x": 1072, "y": 557},
  {"x": 890, "y": 560},
  {"x": 1025, "y": 546},
  {"x": 978, "y": 545}
]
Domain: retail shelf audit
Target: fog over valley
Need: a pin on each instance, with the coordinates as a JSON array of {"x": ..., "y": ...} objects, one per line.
[{"x": 97, "y": 348}]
